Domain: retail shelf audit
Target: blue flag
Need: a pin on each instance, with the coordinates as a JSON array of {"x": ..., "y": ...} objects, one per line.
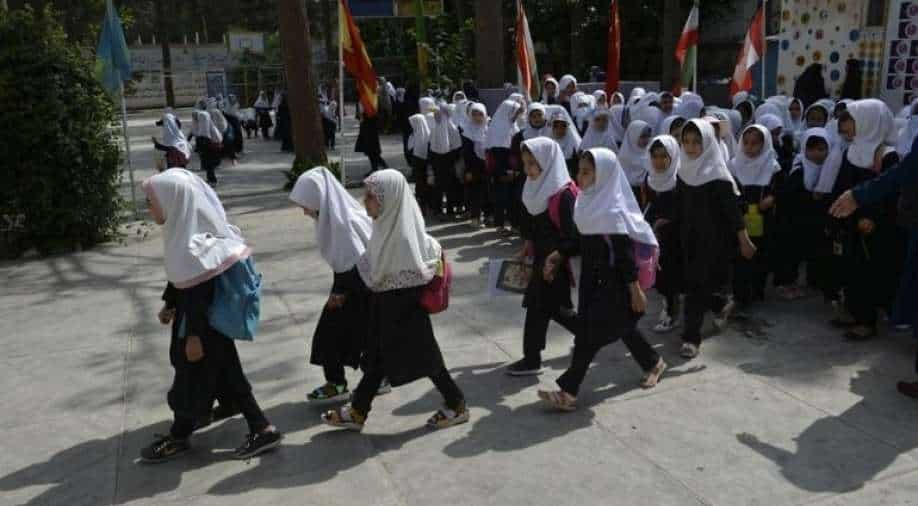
[{"x": 113, "y": 61}]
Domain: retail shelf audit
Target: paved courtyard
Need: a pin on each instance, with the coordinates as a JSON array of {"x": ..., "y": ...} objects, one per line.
[{"x": 777, "y": 410}]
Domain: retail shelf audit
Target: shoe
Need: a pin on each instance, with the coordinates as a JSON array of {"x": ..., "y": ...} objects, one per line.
[
  {"x": 164, "y": 449},
  {"x": 653, "y": 376},
  {"x": 523, "y": 368},
  {"x": 558, "y": 400},
  {"x": 723, "y": 319},
  {"x": 384, "y": 388},
  {"x": 344, "y": 417},
  {"x": 908, "y": 389},
  {"x": 329, "y": 393},
  {"x": 256, "y": 444},
  {"x": 689, "y": 350},
  {"x": 446, "y": 418},
  {"x": 665, "y": 324}
]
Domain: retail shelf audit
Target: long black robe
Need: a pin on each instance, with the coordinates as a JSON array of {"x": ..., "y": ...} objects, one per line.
[
  {"x": 340, "y": 335},
  {"x": 546, "y": 238},
  {"x": 665, "y": 206}
]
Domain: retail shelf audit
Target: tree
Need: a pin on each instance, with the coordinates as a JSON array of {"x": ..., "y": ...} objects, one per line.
[
  {"x": 304, "y": 106},
  {"x": 162, "y": 31}
]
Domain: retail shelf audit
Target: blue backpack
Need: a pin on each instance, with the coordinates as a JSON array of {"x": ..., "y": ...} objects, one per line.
[{"x": 236, "y": 306}]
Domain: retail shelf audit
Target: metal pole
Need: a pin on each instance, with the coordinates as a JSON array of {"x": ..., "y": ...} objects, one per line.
[
  {"x": 341, "y": 169},
  {"x": 764, "y": 54},
  {"x": 697, "y": 51},
  {"x": 127, "y": 147}
]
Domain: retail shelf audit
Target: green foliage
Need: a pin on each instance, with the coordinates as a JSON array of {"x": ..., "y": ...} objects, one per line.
[
  {"x": 299, "y": 167},
  {"x": 60, "y": 167}
]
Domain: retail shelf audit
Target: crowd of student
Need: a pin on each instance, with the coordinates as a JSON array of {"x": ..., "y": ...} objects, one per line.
[{"x": 708, "y": 205}]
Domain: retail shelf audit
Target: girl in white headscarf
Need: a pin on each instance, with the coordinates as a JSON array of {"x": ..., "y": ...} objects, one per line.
[
  {"x": 583, "y": 107},
  {"x": 601, "y": 99},
  {"x": 418, "y": 147},
  {"x": 711, "y": 226},
  {"x": 873, "y": 250},
  {"x": 400, "y": 260},
  {"x": 611, "y": 301},
  {"x": 200, "y": 246},
  {"x": 566, "y": 89},
  {"x": 207, "y": 143},
  {"x": 634, "y": 157},
  {"x": 473, "y": 155},
  {"x": 662, "y": 209},
  {"x": 550, "y": 91},
  {"x": 548, "y": 227},
  {"x": 342, "y": 232},
  {"x": 600, "y": 134},
  {"x": 178, "y": 152},
  {"x": 755, "y": 168},
  {"x": 618, "y": 98},
  {"x": 909, "y": 131},
  {"x": 690, "y": 107},
  {"x": 565, "y": 134},
  {"x": 498, "y": 141},
  {"x": 445, "y": 146}
]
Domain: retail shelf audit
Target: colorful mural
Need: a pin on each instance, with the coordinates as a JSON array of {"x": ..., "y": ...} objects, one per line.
[{"x": 899, "y": 81}]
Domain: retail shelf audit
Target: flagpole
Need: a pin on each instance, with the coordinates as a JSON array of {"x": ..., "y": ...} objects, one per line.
[
  {"x": 697, "y": 50},
  {"x": 764, "y": 43},
  {"x": 127, "y": 146},
  {"x": 342, "y": 175}
]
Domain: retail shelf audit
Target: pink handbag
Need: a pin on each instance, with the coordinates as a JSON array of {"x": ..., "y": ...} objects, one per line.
[{"x": 435, "y": 296}]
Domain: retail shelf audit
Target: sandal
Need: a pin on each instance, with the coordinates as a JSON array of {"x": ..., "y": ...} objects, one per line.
[
  {"x": 689, "y": 350},
  {"x": 344, "y": 417},
  {"x": 446, "y": 417},
  {"x": 653, "y": 376},
  {"x": 329, "y": 392},
  {"x": 559, "y": 400}
]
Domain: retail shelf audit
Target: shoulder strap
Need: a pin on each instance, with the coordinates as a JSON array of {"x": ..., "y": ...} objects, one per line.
[{"x": 554, "y": 203}]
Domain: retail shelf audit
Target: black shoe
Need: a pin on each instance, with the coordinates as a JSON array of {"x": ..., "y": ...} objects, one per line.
[
  {"x": 524, "y": 367},
  {"x": 256, "y": 444},
  {"x": 163, "y": 449}
]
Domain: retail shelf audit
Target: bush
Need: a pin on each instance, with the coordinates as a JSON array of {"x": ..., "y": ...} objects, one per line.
[
  {"x": 60, "y": 161},
  {"x": 299, "y": 167}
]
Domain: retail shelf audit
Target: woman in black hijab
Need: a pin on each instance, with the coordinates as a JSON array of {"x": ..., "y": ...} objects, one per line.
[
  {"x": 810, "y": 85},
  {"x": 853, "y": 80}
]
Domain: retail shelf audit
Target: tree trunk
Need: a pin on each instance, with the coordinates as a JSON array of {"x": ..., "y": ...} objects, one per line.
[
  {"x": 673, "y": 21},
  {"x": 489, "y": 43},
  {"x": 162, "y": 31},
  {"x": 301, "y": 88},
  {"x": 577, "y": 62}
]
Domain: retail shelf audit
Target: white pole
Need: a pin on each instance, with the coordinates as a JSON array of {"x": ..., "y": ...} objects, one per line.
[
  {"x": 697, "y": 50},
  {"x": 127, "y": 147},
  {"x": 341, "y": 100},
  {"x": 764, "y": 54}
]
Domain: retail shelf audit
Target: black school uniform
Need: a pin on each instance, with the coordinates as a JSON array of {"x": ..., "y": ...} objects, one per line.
[
  {"x": 340, "y": 335},
  {"x": 709, "y": 221},
  {"x": 445, "y": 182},
  {"x": 750, "y": 276},
  {"x": 604, "y": 311},
  {"x": 475, "y": 181},
  {"x": 401, "y": 347},
  {"x": 422, "y": 190},
  {"x": 196, "y": 385},
  {"x": 782, "y": 221},
  {"x": 665, "y": 206},
  {"x": 805, "y": 239},
  {"x": 870, "y": 264},
  {"x": 546, "y": 301}
]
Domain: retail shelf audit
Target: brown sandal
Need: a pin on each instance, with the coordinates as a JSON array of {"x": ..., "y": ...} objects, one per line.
[
  {"x": 558, "y": 399},
  {"x": 344, "y": 417}
]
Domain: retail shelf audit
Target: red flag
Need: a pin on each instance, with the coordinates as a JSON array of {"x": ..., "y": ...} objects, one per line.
[
  {"x": 615, "y": 45},
  {"x": 526, "y": 69},
  {"x": 752, "y": 51},
  {"x": 357, "y": 61}
]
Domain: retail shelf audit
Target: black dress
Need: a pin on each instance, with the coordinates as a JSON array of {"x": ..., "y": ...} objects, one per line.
[
  {"x": 340, "y": 335},
  {"x": 750, "y": 276},
  {"x": 474, "y": 183},
  {"x": 665, "y": 206},
  {"x": 804, "y": 238}
]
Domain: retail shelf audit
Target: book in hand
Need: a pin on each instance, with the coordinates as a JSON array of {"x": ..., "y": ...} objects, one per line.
[{"x": 514, "y": 276}]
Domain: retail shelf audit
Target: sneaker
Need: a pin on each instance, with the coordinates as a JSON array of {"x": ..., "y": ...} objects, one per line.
[
  {"x": 523, "y": 368},
  {"x": 384, "y": 388},
  {"x": 329, "y": 393},
  {"x": 689, "y": 350},
  {"x": 723, "y": 319},
  {"x": 653, "y": 376},
  {"x": 256, "y": 444},
  {"x": 163, "y": 449},
  {"x": 446, "y": 418}
]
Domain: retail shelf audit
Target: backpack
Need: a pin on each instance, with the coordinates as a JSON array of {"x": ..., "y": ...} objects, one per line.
[
  {"x": 435, "y": 296},
  {"x": 236, "y": 307}
]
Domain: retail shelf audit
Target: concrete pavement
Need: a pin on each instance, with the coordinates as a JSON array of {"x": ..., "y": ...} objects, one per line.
[{"x": 776, "y": 411}]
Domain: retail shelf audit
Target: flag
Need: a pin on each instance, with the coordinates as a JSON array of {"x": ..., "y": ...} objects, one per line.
[
  {"x": 113, "y": 61},
  {"x": 526, "y": 70},
  {"x": 687, "y": 49},
  {"x": 752, "y": 51},
  {"x": 615, "y": 46},
  {"x": 420, "y": 28},
  {"x": 357, "y": 61}
]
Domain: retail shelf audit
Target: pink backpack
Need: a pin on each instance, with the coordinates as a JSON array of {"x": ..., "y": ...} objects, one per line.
[{"x": 435, "y": 296}]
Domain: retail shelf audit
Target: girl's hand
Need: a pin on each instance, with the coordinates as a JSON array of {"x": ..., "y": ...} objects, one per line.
[
  {"x": 660, "y": 223},
  {"x": 194, "y": 351},
  {"x": 747, "y": 248},
  {"x": 335, "y": 301},
  {"x": 525, "y": 252},
  {"x": 844, "y": 206},
  {"x": 866, "y": 226},
  {"x": 638, "y": 299},
  {"x": 767, "y": 203},
  {"x": 166, "y": 315},
  {"x": 551, "y": 266}
]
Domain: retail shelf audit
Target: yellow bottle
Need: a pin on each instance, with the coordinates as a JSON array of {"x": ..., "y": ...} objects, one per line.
[{"x": 755, "y": 222}]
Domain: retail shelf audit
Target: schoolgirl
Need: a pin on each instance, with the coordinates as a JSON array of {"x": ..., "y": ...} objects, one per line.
[
  {"x": 662, "y": 215},
  {"x": 634, "y": 157},
  {"x": 445, "y": 146},
  {"x": 567, "y": 136},
  {"x": 418, "y": 152},
  {"x": 473, "y": 155},
  {"x": 497, "y": 144}
]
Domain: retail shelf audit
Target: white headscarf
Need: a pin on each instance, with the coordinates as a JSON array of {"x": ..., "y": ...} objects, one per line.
[
  {"x": 216, "y": 116},
  {"x": 173, "y": 135},
  {"x": 204, "y": 127},
  {"x": 760, "y": 170},
  {"x": 812, "y": 173},
  {"x": 908, "y": 132},
  {"x": 400, "y": 254},
  {"x": 199, "y": 244},
  {"x": 798, "y": 125},
  {"x": 444, "y": 137},
  {"x": 554, "y": 176},
  {"x": 621, "y": 97},
  {"x": 601, "y": 99},
  {"x": 545, "y": 96},
  {"x": 664, "y": 181},
  {"x": 262, "y": 101},
  {"x": 637, "y": 93},
  {"x": 874, "y": 126},
  {"x": 419, "y": 140},
  {"x": 826, "y": 105},
  {"x": 691, "y": 106},
  {"x": 595, "y": 138},
  {"x": 633, "y": 158},
  {"x": 608, "y": 206},
  {"x": 667, "y": 124},
  {"x": 530, "y": 131},
  {"x": 710, "y": 165},
  {"x": 503, "y": 125},
  {"x": 773, "y": 109},
  {"x": 617, "y": 123},
  {"x": 566, "y": 81},
  {"x": 582, "y": 107},
  {"x": 570, "y": 144},
  {"x": 342, "y": 227},
  {"x": 740, "y": 97},
  {"x": 475, "y": 132},
  {"x": 461, "y": 103}
]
